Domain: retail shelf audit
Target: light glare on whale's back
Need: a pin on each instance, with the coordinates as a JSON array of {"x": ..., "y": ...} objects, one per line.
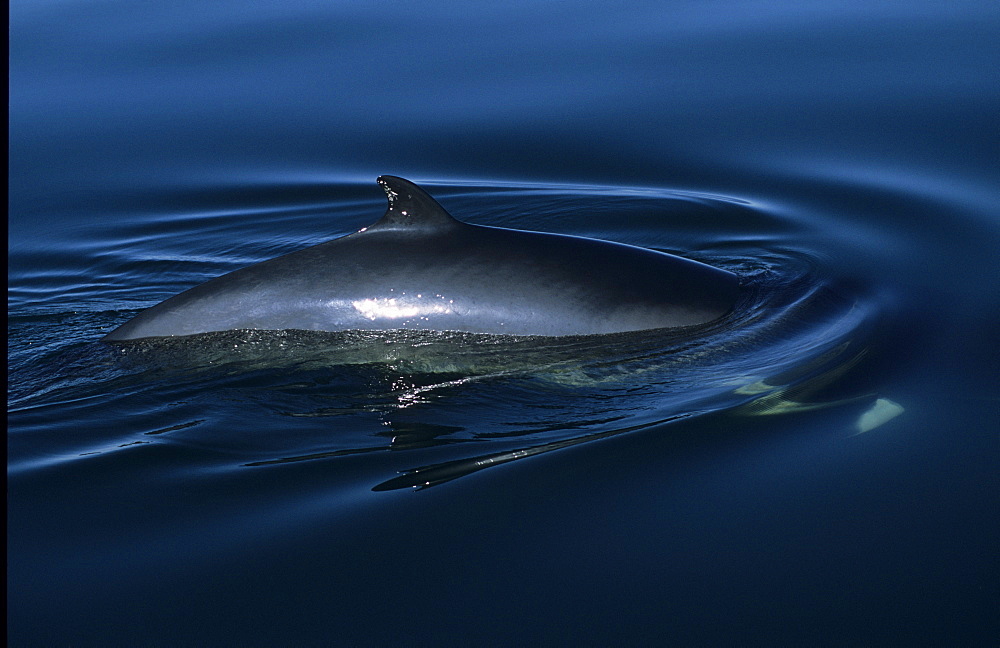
[{"x": 418, "y": 268}]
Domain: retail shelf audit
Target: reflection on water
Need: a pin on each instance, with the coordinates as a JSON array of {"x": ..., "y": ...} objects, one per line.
[{"x": 427, "y": 476}]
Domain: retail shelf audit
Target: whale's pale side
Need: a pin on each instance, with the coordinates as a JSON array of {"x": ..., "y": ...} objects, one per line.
[{"x": 419, "y": 268}]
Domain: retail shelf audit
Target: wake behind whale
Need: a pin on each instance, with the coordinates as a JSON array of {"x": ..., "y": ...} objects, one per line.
[{"x": 418, "y": 268}]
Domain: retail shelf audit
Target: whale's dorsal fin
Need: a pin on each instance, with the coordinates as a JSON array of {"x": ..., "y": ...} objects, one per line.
[{"x": 410, "y": 207}]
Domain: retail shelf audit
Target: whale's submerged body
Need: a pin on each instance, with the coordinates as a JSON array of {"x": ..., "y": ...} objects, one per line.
[{"x": 420, "y": 268}]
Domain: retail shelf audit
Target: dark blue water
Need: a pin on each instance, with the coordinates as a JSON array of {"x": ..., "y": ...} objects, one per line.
[{"x": 820, "y": 467}]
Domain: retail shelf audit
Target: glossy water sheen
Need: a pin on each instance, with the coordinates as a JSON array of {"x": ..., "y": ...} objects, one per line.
[{"x": 819, "y": 467}]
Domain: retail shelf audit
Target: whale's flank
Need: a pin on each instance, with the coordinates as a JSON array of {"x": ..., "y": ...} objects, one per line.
[{"x": 420, "y": 268}]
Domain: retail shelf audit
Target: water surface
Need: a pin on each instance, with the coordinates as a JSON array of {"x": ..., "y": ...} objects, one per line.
[{"x": 818, "y": 467}]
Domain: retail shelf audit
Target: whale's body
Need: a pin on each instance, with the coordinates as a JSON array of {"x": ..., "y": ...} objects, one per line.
[{"x": 419, "y": 268}]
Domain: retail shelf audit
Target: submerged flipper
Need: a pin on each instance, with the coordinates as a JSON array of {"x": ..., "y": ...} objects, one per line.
[{"x": 411, "y": 208}]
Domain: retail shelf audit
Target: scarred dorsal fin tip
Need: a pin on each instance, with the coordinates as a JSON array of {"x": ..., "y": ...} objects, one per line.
[{"x": 410, "y": 207}]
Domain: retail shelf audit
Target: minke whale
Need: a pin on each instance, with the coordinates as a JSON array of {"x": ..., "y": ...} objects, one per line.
[{"x": 420, "y": 268}]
